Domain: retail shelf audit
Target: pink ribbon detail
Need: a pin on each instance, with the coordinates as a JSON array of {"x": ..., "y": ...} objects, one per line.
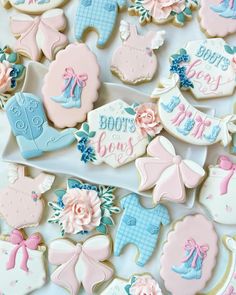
[
  {"x": 226, "y": 164},
  {"x": 230, "y": 291},
  {"x": 200, "y": 251},
  {"x": 85, "y": 259},
  {"x": 200, "y": 127},
  {"x": 182, "y": 114},
  {"x": 48, "y": 25},
  {"x": 79, "y": 80},
  {"x": 17, "y": 239}
]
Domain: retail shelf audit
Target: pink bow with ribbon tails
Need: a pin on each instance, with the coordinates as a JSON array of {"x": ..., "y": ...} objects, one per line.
[
  {"x": 80, "y": 264},
  {"x": 226, "y": 164},
  {"x": 17, "y": 239},
  {"x": 200, "y": 127},
  {"x": 78, "y": 80},
  {"x": 167, "y": 172},
  {"x": 180, "y": 117},
  {"x": 194, "y": 249},
  {"x": 39, "y": 34}
]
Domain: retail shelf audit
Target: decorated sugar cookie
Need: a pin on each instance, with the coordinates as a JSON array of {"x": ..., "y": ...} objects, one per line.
[
  {"x": 11, "y": 73},
  {"x": 164, "y": 167},
  {"x": 218, "y": 191},
  {"x": 206, "y": 67},
  {"x": 40, "y": 35},
  {"x": 136, "y": 47},
  {"x": 218, "y": 17},
  {"x": 32, "y": 6},
  {"x": 140, "y": 226},
  {"x": 71, "y": 85},
  {"x": 187, "y": 123},
  {"x": 138, "y": 284},
  {"x": 99, "y": 16},
  {"x": 82, "y": 208},
  {"x": 117, "y": 133},
  {"x": 189, "y": 255},
  {"x": 233, "y": 147},
  {"x": 159, "y": 11},
  {"x": 21, "y": 202},
  {"x": 22, "y": 265},
  {"x": 81, "y": 264},
  {"x": 227, "y": 285}
]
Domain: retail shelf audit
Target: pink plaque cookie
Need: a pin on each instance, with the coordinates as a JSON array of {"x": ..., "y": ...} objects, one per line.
[
  {"x": 189, "y": 255},
  {"x": 71, "y": 85},
  {"x": 217, "y": 17}
]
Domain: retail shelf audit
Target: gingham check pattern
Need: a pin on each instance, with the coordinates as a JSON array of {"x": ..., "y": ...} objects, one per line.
[
  {"x": 139, "y": 234},
  {"x": 97, "y": 16}
]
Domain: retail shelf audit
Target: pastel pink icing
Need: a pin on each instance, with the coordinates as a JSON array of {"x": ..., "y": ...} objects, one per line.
[
  {"x": 5, "y": 78},
  {"x": 145, "y": 285},
  {"x": 214, "y": 24},
  {"x": 160, "y": 10},
  {"x": 201, "y": 230},
  {"x": 79, "y": 57},
  {"x": 82, "y": 210}
]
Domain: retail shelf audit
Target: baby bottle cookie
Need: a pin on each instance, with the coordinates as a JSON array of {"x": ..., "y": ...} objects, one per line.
[
  {"x": 21, "y": 203},
  {"x": 81, "y": 264},
  {"x": 218, "y": 191},
  {"x": 218, "y": 17},
  {"x": 206, "y": 67},
  {"x": 189, "y": 255},
  {"x": 71, "y": 85},
  {"x": 40, "y": 35},
  {"x": 117, "y": 133},
  {"x": 135, "y": 61},
  {"x": 22, "y": 265}
]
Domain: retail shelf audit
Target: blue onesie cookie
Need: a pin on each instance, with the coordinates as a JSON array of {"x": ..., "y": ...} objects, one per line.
[
  {"x": 140, "y": 226},
  {"x": 99, "y": 15}
]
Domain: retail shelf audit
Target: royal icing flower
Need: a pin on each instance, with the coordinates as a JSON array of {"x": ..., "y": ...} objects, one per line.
[
  {"x": 5, "y": 76},
  {"x": 81, "y": 211},
  {"x": 145, "y": 285},
  {"x": 160, "y": 10},
  {"x": 147, "y": 119}
]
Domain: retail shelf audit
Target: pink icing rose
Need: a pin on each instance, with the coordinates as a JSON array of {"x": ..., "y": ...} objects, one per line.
[
  {"x": 82, "y": 210},
  {"x": 145, "y": 285},
  {"x": 160, "y": 10},
  {"x": 147, "y": 119},
  {"x": 5, "y": 78}
]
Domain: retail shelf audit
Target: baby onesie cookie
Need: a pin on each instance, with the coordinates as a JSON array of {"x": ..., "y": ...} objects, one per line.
[
  {"x": 82, "y": 208},
  {"x": 11, "y": 73},
  {"x": 218, "y": 191},
  {"x": 135, "y": 61},
  {"x": 163, "y": 168},
  {"x": 117, "y": 133},
  {"x": 21, "y": 203},
  {"x": 40, "y": 35},
  {"x": 81, "y": 264},
  {"x": 218, "y": 17},
  {"x": 29, "y": 124},
  {"x": 189, "y": 255},
  {"x": 22, "y": 266},
  {"x": 187, "y": 123},
  {"x": 159, "y": 11},
  {"x": 99, "y": 16},
  {"x": 32, "y": 6},
  {"x": 206, "y": 67},
  {"x": 140, "y": 284},
  {"x": 71, "y": 85},
  {"x": 227, "y": 285},
  {"x": 140, "y": 226}
]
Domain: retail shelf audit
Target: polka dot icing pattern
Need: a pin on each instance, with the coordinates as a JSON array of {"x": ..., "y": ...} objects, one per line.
[
  {"x": 21, "y": 264},
  {"x": 189, "y": 255},
  {"x": 25, "y": 193},
  {"x": 218, "y": 191}
]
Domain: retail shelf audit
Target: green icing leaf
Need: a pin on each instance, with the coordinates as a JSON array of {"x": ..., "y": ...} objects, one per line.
[
  {"x": 81, "y": 134},
  {"x": 183, "y": 51},
  {"x": 73, "y": 182},
  {"x": 228, "y": 49},
  {"x": 60, "y": 193},
  {"x": 92, "y": 134},
  {"x": 86, "y": 127},
  {"x": 12, "y": 58},
  {"x": 180, "y": 17},
  {"x": 130, "y": 111},
  {"x": 107, "y": 220},
  {"x": 102, "y": 228},
  {"x": 188, "y": 11},
  {"x": 20, "y": 69}
]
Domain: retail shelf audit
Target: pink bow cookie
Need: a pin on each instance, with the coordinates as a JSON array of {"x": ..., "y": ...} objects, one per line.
[
  {"x": 40, "y": 34},
  {"x": 167, "y": 172},
  {"x": 80, "y": 264}
]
